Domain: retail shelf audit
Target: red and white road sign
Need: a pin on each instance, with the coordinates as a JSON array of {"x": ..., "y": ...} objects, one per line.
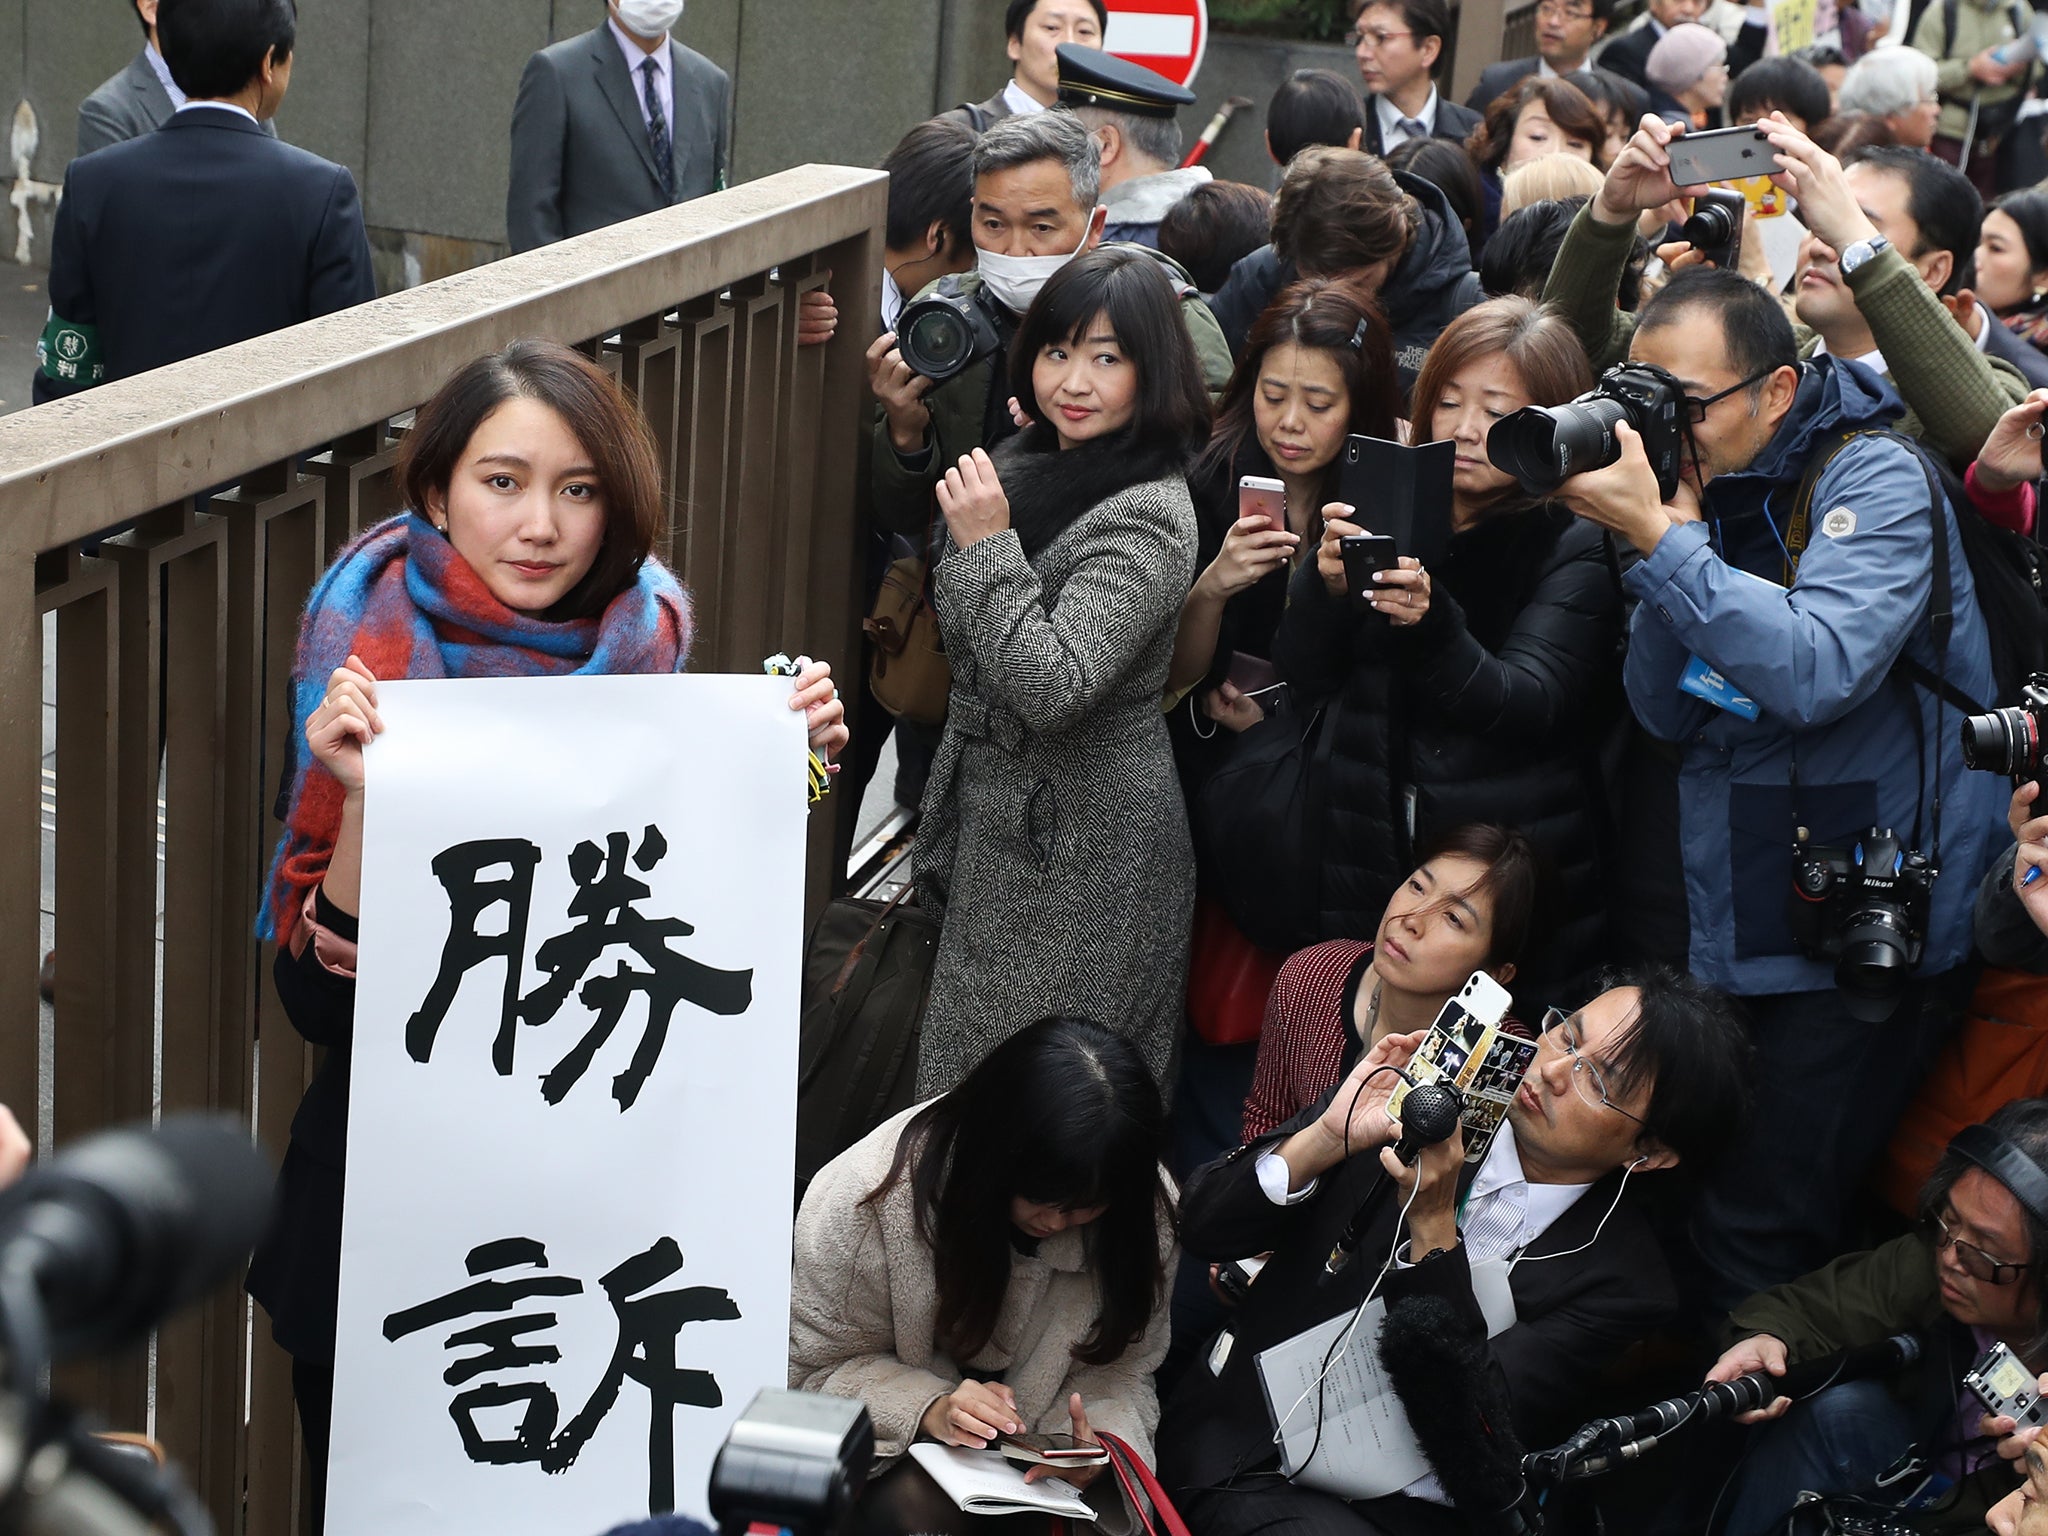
[{"x": 1167, "y": 36}]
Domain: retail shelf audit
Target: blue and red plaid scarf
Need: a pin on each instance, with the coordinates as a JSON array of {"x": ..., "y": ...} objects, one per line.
[{"x": 404, "y": 601}]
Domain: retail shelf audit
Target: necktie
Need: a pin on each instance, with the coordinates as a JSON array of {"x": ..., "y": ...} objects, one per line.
[
  {"x": 657, "y": 132},
  {"x": 1413, "y": 127}
]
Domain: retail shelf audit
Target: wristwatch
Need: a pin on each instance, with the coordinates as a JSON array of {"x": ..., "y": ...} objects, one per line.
[{"x": 1861, "y": 251}]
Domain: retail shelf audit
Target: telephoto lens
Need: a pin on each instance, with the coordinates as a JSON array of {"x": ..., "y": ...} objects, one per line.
[{"x": 1544, "y": 446}]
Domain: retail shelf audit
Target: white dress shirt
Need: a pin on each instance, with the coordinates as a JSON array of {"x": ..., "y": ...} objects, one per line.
[
  {"x": 1020, "y": 101},
  {"x": 217, "y": 106},
  {"x": 163, "y": 75},
  {"x": 1391, "y": 132},
  {"x": 892, "y": 300},
  {"x": 636, "y": 64}
]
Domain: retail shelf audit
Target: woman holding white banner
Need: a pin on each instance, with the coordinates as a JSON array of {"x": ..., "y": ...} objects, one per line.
[
  {"x": 1054, "y": 838},
  {"x": 993, "y": 1263},
  {"x": 536, "y": 492}
]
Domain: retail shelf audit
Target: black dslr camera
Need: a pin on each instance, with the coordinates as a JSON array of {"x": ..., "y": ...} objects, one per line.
[
  {"x": 948, "y": 332},
  {"x": 1543, "y": 446},
  {"x": 2008, "y": 740},
  {"x": 1865, "y": 907}
]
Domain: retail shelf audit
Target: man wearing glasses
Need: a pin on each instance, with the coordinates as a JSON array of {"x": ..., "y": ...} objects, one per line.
[
  {"x": 1650, "y": 1074},
  {"x": 1399, "y": 44},
  {"x": 1784, "y": 602},
  {"x": 1566, "y": 31},
  {"x": 1969, "y": 1278}
]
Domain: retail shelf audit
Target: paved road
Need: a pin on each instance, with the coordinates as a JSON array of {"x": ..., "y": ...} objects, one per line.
[{"x": 23, "y": 308}]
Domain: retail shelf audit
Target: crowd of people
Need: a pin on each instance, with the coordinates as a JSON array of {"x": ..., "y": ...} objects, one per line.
[{"x": 1314, "y": 665}]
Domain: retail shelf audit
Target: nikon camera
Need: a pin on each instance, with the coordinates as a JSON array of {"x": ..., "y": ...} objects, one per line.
[
  {"x": 2008, "y": 740},
  {"x": 1865, "y": 907},
  {"x": 1543, "y": 446}
]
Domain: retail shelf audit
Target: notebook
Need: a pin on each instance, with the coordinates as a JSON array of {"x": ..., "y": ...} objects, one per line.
[{"x": 983, "y": 1483}]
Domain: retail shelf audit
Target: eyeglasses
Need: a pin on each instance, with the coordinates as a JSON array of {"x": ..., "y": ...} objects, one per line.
[
  {"x": 1977, "y": 1264},
  {"x": 1377, "y": 36},
  {"x": 1587, "y": 1079},
  {"x": 1556, "y": 10},
  {"x": 1696, "y": 408}
]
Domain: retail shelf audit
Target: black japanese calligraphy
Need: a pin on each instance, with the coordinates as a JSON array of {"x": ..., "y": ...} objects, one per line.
[
  {"x": 605, "y": 916},
  {"x": 644, "y": 1352}
]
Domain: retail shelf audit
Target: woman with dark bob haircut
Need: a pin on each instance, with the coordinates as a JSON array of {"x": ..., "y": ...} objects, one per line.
[
  {"x": 994, "y": 1262},
  {"x": 1054, "y": 842},
  {"x": 535, "y": 492},
  {"x": 1538, "y": 117}
]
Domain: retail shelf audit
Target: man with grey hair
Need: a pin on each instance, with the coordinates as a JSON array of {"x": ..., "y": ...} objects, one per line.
[
  {"x": 1131, "y": 112},
  {"x": 1037, "y": 205},
  {"x": 1896, "y": 85}
]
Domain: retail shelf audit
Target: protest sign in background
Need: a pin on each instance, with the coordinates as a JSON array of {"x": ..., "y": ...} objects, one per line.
[{"x": 566, "y": 1253}]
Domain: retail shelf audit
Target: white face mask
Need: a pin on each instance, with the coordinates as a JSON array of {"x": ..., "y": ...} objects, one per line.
[
  {"x": 1014, "y": 281},
  {"x": 649, "y": 18}
]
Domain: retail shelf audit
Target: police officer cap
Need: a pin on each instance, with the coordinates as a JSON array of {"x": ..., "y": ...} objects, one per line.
[{"x": 1091, "y": 78}]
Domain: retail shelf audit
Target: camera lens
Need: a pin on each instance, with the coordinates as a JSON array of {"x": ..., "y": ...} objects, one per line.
[
  {"x": 1710, "y": 225},
  {"x": 935, "y": 343},
  {"x": 2002, "y": 741},
  {"x": 1544, "y": 446},
  {"x": 1876, "y": 959}
]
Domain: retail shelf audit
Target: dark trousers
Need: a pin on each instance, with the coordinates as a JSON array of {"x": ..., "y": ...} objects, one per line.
[
  {"x": 1836, "y": 1443},
  {"x": 313, "y": 1391},
  {"x": 1281, "y": 1509},
  {"x": 1829, "y": 1091}
]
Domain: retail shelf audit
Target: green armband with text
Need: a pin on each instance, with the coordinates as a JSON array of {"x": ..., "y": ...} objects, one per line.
[{"x": 70, "y": 352}]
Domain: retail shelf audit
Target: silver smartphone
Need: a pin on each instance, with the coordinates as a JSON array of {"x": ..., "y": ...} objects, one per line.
[{"x": 1720, "y": 154}]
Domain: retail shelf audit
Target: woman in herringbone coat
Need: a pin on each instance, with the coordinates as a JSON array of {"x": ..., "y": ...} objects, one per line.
[{"x": 1053, "y": 838}]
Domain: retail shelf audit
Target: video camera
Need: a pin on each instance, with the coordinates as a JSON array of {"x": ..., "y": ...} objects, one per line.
[
  {"x": 2008, "y": 740},
  {"x": 1543, "y": 446},
  {"x": 949, "y": 332}
]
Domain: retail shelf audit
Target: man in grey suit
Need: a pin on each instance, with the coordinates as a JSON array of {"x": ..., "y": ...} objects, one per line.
[
  {"x": 614, "y": 124},
  {"x": 138, "y": 100}
]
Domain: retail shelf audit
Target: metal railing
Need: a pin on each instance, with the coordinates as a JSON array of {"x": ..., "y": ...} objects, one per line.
[{"x": 174, "y": 640}]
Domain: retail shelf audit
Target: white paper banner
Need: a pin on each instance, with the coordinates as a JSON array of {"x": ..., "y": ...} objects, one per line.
[{"x": 565, "y": 1265}]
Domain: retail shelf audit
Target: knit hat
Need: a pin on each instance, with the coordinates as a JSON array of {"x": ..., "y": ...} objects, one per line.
[{"x": 1683, "y": 55}]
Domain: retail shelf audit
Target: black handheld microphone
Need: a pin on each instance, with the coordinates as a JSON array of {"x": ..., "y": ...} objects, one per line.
[
  {"x": 1428, "y": 1115},
  {"x": 118, "y": 1231},
  {"x": 1458, "y": 1408}
]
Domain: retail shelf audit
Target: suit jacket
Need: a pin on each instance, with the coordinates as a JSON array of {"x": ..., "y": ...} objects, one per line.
[
  {"x": 1575, "y": 1313},
  {"x": 1628, "y": 55},
  {"x": 982, "y": 115},
  {"x": 580, "y": 157},
  {"x": 126, "y": 106},
  {"x": 1453, "y": 122},
  {"x": 1496, "y": 78},
  {"x": 202, "y": 234}
]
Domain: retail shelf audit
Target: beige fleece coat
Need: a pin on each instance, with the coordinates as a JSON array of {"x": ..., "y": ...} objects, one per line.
[{"x": 863, "y": 1298}]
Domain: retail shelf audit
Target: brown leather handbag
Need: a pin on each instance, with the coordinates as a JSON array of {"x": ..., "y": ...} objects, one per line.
[{"x": 909, "y": 676}]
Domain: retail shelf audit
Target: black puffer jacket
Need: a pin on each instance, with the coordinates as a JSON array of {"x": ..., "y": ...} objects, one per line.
[
  {"x": 1432, "y": 286},
  {"x": 1493, "y": 708}
]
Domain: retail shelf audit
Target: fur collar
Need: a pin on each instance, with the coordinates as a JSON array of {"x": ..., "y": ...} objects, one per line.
[{"x": 1049, "y": 488}]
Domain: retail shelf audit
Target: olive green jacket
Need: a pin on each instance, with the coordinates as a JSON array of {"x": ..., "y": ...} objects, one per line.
[
  {"x": 1860, "y": 1299},
  {"x": 1954, "y": 394},
  {"x": 959, "y": 411},
  {"x": 1980, "y": 24}
]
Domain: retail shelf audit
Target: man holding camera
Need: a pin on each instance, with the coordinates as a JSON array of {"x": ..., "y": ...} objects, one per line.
[
  {"x": 1037, "y": 181},
  {"x": 1870, "y": 278},
  {"x": 1651, "y": 1073},
  {"x": 1791, "y": 637},
  {"x": 1968, "y": 1280}
]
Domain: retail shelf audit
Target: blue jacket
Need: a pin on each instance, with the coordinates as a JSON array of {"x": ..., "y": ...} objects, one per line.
[{"x": 1816, "y": 658}]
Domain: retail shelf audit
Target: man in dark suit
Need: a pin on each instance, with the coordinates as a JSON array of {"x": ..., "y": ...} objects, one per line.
[
  {"x": 1398, "y": 44},
  {"x": 207, "y": 231},
  {"x": 139, "y": 99},
  {"x": 1566, "y": 31},
  {"x": 1628, "y": 55},
  {"x": 613, "y": 124},
  {"x": 1036, "y": 29},
  {"x": 1644, "y": 1076}
]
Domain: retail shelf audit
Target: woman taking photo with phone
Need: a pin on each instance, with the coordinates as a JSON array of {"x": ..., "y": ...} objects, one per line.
[
  {"x": 1483, "y": 690},
  {"x": 993, "y": 1263},
  {"x": 536, "y": 497},
  {"x": 1053, "y": 841},
  {"x": 1317, "y": 367}
]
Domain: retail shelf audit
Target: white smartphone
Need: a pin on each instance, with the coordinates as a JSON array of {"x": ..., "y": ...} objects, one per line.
[{"x": 1258, "y": 494}]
